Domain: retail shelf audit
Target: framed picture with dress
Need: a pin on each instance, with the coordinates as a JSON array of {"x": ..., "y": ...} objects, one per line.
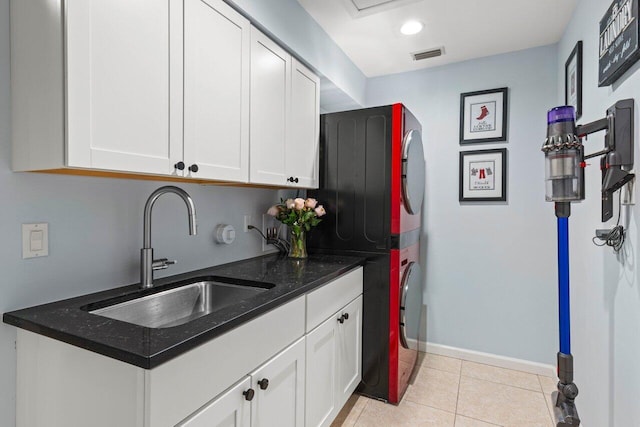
[{"x": 483, "y": 175}]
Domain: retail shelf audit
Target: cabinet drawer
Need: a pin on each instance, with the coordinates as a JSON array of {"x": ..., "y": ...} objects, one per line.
[{"x": 325, "y": 301}]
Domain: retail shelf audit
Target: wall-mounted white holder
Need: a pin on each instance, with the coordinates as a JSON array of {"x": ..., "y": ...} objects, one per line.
[
  {"x": 35, "y": 240},
  {"x": 225, "y": 234},
  {"x": 628, "y": 193}
]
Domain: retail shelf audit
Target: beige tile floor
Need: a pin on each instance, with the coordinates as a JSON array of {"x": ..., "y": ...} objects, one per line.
[{"x": 451, "y": 392}]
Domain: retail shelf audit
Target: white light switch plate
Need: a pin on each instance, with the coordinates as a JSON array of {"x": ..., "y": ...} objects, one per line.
[{"x": 35, "y": 240}]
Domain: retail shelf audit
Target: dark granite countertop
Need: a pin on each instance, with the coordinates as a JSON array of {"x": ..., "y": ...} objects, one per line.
[{"x": 69, "y": 320}]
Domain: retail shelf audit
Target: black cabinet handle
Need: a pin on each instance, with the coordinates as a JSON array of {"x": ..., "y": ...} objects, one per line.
[
  {"x": 292, "y": 179},
  {"x": 179, "y": 166},
  {"x": 263, "y": 383},
  {"x": 345, "y": 316},
  {"x": 248, "y": 395},
  {"x": 193, "y": 168},
  {"x": 296, "y": 180}
]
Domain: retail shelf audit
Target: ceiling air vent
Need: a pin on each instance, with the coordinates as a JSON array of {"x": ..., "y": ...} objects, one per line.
[
  {"x": 360, "y": 8},
  {"x": 426, "y": 54},
  {"x": 366, "y": 4}
]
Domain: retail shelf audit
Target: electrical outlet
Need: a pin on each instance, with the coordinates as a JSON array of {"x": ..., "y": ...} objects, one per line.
[
  {"x": 247, "y": 223},
  {"x": 268, "y": 222}
]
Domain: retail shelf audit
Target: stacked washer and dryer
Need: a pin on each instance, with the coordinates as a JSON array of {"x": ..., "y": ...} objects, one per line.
[{"x": 372, "y": 179}]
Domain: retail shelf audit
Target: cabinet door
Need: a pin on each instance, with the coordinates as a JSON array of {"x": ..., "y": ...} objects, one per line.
[
  {"x": 124, "y": 84},
  {"x": 231, "y": 409},
  {"x": 349, "y": 348},
  {"x": 216, "y": 90},
  {"x": 279, "y": 386},
  {"x": 270, "y": 102},
  {"x": 321, "y": 368},
  {"x": 302, "y": 145}
]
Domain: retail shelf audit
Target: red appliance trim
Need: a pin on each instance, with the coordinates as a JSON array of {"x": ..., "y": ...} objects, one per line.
[
  {"x": 394, "y": 326},
  {"x": 397, "y": 124}
]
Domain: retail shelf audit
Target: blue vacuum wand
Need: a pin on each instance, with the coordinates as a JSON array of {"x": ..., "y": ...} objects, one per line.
[
  {"x": 564, "y": 183},
  {"x": 564, "y": 398}
]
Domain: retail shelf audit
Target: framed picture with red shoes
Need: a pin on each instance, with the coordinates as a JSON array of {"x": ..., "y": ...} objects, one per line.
[
  {"x": 483, "y": 175},
  {"x": 483, "y": 116}
]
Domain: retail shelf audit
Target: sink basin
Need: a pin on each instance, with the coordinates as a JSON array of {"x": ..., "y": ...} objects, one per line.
[{"x": 183, "y": 304}]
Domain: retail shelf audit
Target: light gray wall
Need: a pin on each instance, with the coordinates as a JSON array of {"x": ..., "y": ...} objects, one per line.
[
  {"x": 95, "y": 227},
  {"x": 490, "y": 268},
  {"x": 605, "y": 294}
]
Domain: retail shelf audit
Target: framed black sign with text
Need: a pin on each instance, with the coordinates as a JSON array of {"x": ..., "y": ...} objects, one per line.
[{"x": 618, "y": 41}]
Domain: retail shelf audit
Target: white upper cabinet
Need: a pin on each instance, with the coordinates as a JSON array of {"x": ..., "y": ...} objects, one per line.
[
  {"x": 302, "y": 145},
  {"x": 97, "y": 85},
  {"x": 216, "y": 91},
  {"x": 124, "y": 84},
  {"x": 284, "y": 117},
  {"x": 183, "y": 88},
  {"x": 270, "y": 94}
]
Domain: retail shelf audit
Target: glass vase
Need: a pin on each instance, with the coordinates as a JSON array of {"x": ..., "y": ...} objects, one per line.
[{"x": 298, "y": 247}]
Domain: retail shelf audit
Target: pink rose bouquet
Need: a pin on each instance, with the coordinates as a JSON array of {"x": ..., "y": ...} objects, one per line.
[{"x": 300, "y": 215}]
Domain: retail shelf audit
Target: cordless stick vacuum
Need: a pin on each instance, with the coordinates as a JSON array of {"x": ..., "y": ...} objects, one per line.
[{"x": 564, "y": 166}]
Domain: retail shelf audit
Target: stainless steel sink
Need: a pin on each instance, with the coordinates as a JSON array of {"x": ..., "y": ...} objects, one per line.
[{"x": 180, "y": 305}]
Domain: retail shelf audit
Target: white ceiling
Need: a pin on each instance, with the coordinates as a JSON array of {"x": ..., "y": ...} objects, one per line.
[{"x": 369, "y": 30}]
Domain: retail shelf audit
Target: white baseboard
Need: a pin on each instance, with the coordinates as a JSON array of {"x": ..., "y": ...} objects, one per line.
[{"x": 487, "y": 358}]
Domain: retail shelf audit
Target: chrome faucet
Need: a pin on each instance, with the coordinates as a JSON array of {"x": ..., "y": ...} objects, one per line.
[{"x": 147, "y": 263}]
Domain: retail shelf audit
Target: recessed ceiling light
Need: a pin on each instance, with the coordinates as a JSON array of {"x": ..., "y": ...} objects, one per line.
[{"x": 411, "y": 27}]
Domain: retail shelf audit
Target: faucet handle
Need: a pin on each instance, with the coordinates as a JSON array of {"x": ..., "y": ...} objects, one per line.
[{"x": 162, "y": 263}]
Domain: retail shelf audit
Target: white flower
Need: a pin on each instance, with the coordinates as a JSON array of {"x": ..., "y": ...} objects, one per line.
[
  {"x": 273, "y": 210},
  {"x": 320, "y": 211},
  {"x": 289, "y": 203},
  {"x": 298, "y": 203},
  {"x": 310, "y": 203}
]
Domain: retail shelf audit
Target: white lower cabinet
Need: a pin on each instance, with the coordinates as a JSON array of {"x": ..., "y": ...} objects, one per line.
[
  {"x": 232, "y": 409},
  {"x": 279, "y": 390},
  {"x": 334, "y": 363},
  {"x": 321, "y": 387},
  {"x": 293, "y": 366},
  {"x": 273, "y": 395},
  {"x": 349, "y": 369}
]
